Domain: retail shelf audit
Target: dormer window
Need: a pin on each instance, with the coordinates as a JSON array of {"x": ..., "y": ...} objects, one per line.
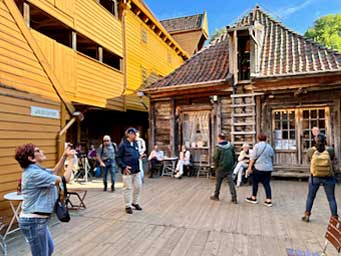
[
  {"x": 110, "y": 5},
  {"x": 244, "y": 57}
]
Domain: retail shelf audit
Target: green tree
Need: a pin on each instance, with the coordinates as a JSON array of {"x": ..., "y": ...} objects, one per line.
[
  {"x": 327, "y": 31},
  {"x": 216, "y": 33}
]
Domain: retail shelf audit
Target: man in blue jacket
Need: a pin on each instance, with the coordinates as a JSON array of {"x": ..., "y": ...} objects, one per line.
[{"x": 128, "y": 159}]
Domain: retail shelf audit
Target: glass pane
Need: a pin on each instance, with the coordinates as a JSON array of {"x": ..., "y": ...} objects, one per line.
[
  {"x": 277, "y": 115},
  {"x": 322, "y": 124},
  {"x": 285, "y": 115},
  {"x": 277, "y": 125},
  {"x": 313, "y": 123},
  {"x": 292, "y": 135},
  {"x": 285, "y": 124},
  {"x": 306, "y": 144},
  {"x": 292, "y": 115},
  {"x": 306, "y": 114},
  {"x": 285, "y": 135},
  {"x": 313, "y": 113},
  {"x": 292, "y": 124},
  {"x": 321, "y": 113},
  {"x": 306, "y": 134},
  {"x": 305, "y": 124}
]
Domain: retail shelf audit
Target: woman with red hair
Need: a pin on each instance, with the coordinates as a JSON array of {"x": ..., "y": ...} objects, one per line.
[{"x": 39, "y": 195}]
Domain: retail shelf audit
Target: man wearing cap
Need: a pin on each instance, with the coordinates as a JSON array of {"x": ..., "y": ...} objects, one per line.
[
  {"x": 128, "y": 159},
  {"x": 106, "y": 156},
  {"x": 224, "y": 160}
]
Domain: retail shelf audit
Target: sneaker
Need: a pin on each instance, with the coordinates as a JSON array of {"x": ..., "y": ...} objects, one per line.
[
  {"x": 234, "y": 201},
  {"x": 251, "y": 200},
  {"x": 214, "y": 198},
  {"x": 129, "y": 210},
  {"x": 268, "y": 204},
  {"x": 137, "y": 207},
  {"x": 305, "y": 218}
]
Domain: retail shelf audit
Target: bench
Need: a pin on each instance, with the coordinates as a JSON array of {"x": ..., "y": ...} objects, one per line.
[
  {"x": 333, "y": 236},
  {"x": 79, "y": 194}
]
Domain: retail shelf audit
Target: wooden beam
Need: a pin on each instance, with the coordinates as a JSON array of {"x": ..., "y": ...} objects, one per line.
[
  {"x": 74, "y": 40},
  {"x": 100, "y": 54},
  {"x": 26, "y": 14}
]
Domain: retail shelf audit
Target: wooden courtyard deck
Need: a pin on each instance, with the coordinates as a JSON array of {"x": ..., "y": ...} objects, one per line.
[{"x": 179, "y": 219}]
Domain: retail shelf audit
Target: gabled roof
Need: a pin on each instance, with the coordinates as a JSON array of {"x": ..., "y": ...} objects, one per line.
[
  {"x": 194, "y": 22},
  {"x": 209, "y": 64},
  {"x": 283, "y": 53}
]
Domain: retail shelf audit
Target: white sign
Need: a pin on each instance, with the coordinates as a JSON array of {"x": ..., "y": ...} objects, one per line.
[{"x": 45, "y": 112}]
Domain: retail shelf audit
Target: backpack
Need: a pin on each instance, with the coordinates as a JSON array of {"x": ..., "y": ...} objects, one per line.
[{"x": 321, "y": 165}]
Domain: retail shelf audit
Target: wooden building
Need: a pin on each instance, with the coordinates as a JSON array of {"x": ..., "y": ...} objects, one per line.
[
  {"x": 190, "y": 32},
  {"x": 34, "y": 105},
  {"x": 62, "y": 57},
  {"x": 258, "y": 76}
]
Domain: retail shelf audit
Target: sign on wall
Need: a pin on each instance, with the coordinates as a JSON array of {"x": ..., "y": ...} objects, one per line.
[{"x": 45, "y": 112}]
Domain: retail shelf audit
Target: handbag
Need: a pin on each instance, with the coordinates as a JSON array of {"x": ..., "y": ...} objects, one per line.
[{"x": 60, "y": 208}]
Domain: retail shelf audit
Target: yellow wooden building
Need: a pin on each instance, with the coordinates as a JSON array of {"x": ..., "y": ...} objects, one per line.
[{"x": 58, "y": 57}]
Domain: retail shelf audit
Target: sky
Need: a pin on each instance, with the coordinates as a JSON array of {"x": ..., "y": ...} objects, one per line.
[{"x": 297, "y": 15}]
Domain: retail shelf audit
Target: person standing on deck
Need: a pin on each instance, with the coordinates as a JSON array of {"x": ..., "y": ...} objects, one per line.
[
  {"x": 224, "y": 160},
  {"x": 142, "y": 149},
  {"x": 128, "y": 159}
]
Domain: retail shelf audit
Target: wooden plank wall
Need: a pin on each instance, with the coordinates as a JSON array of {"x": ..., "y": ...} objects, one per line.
[
  {"x": 153, "y": 56},
  {"x": 17, "y": 127},
  {"x": 226, "y": 118},
  {"x": 94, "y": 21},
  {"x": 85, "y": 80}
]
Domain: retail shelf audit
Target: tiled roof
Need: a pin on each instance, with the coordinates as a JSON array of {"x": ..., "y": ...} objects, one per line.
[
  {"x": 209, "y": 64},
  {"x": 285, "y": 52},
  {"x": 183, "y": 23}
]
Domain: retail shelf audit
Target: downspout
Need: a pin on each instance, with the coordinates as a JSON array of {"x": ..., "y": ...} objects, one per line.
[{"x": 125, "y": 6}]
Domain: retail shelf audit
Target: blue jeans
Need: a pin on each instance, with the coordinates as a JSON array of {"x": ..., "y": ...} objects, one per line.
[
  {"x": 38, "y": 236},
  {"x": 329, "y": 187},
  {"x": 109, "y": 167}
]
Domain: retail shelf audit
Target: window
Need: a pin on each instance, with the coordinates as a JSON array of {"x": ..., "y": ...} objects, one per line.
[
  {"x": 143, "y": 35},
  {"x": 144, "y": 75},
  {"x": 244, "y": 58},
  {"x": 112, "y": 59},
  {"x": 110, "y": 5},
  {"x": 312, "y": 118},
  {"x": 195, "y": 129},
  {"x": 285, "y": 130}
]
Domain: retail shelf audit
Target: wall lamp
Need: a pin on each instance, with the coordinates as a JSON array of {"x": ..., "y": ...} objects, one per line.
[{"x": 213, "y": 99}]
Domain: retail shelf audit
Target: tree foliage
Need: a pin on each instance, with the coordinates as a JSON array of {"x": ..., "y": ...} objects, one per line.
[
  {"x": 327, "y": 31},
  {"x": 216, "y": 33}
]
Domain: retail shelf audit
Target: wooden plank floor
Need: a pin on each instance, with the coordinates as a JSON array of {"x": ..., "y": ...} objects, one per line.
[{"x": 179, "y": 219}]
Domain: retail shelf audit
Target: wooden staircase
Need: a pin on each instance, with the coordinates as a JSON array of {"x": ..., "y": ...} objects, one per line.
[{"x": 243, "y": 114}]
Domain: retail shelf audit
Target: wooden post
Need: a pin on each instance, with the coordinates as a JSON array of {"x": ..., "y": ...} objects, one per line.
[
  {"x": 26, "y": 13},
  {"x": 258, "y": 114},
  {"x": 152, "y": 125},
  {"x": 100, "y": 54},
  {"x": 79, "y": 130},
  {"x": 61, "y": 139},
  {"x": 172, "y": 128},
  {"x": 337, "y": 130},
  {"x": 74, "y": 40}
]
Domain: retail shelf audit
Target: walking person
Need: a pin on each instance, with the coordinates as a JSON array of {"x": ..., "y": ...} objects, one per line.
[
  {"x": 261, "y": 165},
  {"x": 321, "y": 173},
  {"x": 106, "y": 156},
  {"x": 39, "y": 195},
  {"x": 128, "y": 159},
  {"x": 224, "y": 160},
  {"x": 142, "y": 149}
]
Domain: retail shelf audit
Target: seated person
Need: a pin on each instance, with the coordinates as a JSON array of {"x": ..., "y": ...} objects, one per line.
[
  {"x": 243, "y": 163},
  {"x": 184, "y": 159},
  {"x": 155, "y": 158}
]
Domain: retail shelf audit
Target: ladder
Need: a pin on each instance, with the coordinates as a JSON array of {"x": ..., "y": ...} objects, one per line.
[{"x": 243, "y": 114}]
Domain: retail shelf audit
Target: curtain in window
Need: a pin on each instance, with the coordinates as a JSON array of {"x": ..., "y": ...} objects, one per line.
[{"x": 196, "y": 129}]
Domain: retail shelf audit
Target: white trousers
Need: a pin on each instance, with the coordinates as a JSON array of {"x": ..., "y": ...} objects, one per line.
[
  {"x": 131, "y": 185},
  {"x": 239, "y": 170},
  {"x": 179, "y": 168}
]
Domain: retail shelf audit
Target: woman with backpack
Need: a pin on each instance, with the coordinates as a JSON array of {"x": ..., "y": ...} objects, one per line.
[{"x": 321, "y": 173}]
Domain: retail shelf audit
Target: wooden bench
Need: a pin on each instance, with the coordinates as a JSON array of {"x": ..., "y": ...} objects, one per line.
[
  {"x": 333, "y": 236},
  {"x": 79, "y": 194}
]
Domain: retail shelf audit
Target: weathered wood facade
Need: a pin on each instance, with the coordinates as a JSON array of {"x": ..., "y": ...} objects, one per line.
[{"x": 258, "y": 76}]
